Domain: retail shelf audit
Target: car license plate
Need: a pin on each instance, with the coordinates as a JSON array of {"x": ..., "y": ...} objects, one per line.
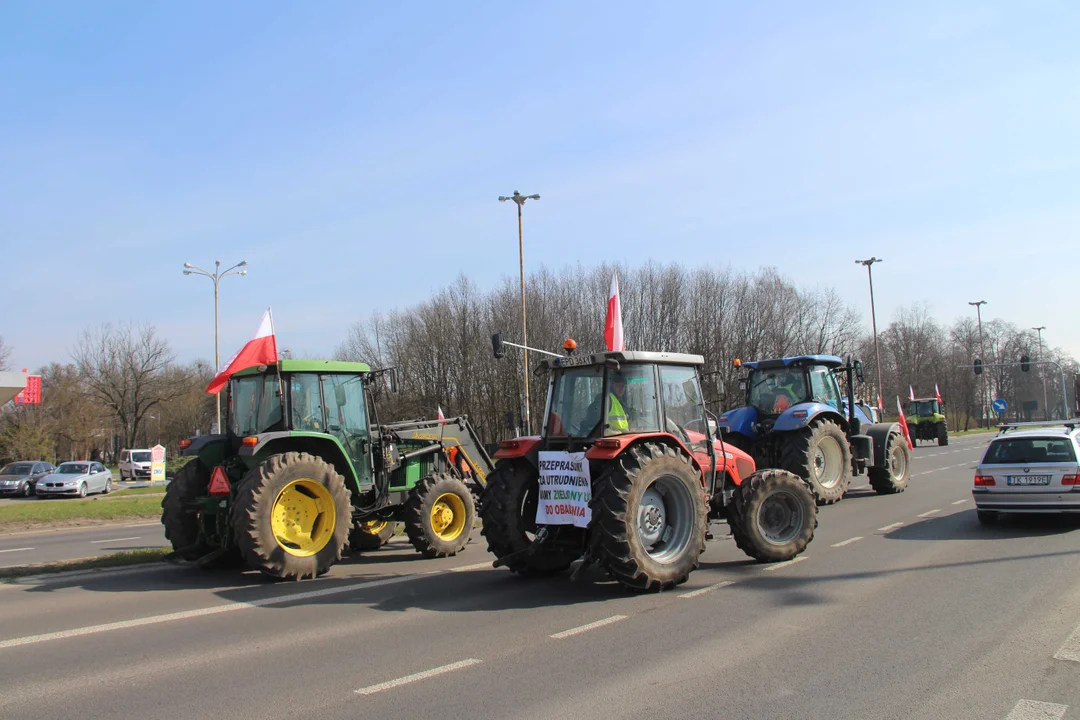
[{"x": 1028, "y": 479}]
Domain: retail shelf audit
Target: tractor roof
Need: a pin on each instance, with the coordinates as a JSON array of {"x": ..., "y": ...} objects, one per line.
[
  {"x": 929, "y": 399},
  {"x": 829, "y": 361},
  {"x": 635, "y": 356},
  {"x": 313, "y": 366}
]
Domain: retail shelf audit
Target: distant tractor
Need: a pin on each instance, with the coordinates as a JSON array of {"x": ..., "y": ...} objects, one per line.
[
  {"x": 926, "y": 420},
  {"x": 305, "y": 468},
  {"x": 626, "y": 475},
  {"x": 795, "y": 418}
]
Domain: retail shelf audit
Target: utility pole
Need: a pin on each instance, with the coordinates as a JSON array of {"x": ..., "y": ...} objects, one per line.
[
  {"x": 873, "y": 319},
  {"x": 982, "y": 351},
  {"x": 216, "y": 276},
  {"x": 519, "y": 200},
  {"x": 1046, "y": 408}
]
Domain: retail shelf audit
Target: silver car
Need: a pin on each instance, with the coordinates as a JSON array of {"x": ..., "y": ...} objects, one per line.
[
  {"x": 80, "y": 478},
  {"x": 1029, "y": 470}
]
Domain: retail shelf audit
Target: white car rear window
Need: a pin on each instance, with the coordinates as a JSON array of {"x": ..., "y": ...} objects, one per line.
[{"x": 1021, "y": 451}]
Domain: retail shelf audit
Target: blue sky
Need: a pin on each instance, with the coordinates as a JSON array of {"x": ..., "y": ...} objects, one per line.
[{"x": 352, "y": 153}]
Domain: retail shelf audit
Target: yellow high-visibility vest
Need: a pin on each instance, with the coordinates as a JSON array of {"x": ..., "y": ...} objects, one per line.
[{"x": 617, "y": 419}]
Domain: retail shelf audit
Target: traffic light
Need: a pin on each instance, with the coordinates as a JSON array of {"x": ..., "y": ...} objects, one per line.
[
  {"x": 978, "y": 366},
  {"x": 1025, "y": 363},
  {"x": 497, "y": 345}
]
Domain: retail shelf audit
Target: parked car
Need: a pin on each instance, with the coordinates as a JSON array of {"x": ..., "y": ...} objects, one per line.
[
  {"x": 1032, "y": 470},
  {"x": 80, "y": 478},
  {"x": 134, "y": 464},
  {"x": 19, "y": 478}
]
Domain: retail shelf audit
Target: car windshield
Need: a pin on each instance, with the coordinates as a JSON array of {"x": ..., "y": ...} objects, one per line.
[
  {"x": 1021, "y": 451},
  {"x": 72, "y": 469},
  {"x": 577, "y": 410},
  {"x": 140, "y": 456},
  {"x": 774, "y": 390},
  {"x": 17, "y": 469}
]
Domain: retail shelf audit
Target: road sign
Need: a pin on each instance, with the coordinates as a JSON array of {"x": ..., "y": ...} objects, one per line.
[
  {"x": 1000, "y": 406},
  {"x": 157, "y": 464}
]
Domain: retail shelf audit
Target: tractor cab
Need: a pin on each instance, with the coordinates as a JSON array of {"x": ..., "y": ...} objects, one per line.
[
  {"x": 923, "y": 408},
  {"x": 774, "y": 387}
]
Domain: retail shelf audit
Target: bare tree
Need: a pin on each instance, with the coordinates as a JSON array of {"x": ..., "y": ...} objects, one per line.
[{"x": 5, "y": 354}]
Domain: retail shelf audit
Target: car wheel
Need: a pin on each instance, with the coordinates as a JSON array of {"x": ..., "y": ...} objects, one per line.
[
  {"x": 28, "y": 491},
  {"x": 82, "y": 490}
]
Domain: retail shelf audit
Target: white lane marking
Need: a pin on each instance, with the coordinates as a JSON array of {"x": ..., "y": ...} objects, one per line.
[
  {"x": 1071, "y": 649},
  {"x": 861, "y": 487},
  {"x": 99, "y": 542},
  {"x": 930, "y": 513},
  {"x": 847, "y": 542},
  {"x": 585, "y": 628},
  {"x": 702, "y": 591},
  {"x": 143, "y": 524},
  {"x": 784, "y": 564},
  {"x": 960, "y": 502},
  {"x": 372, "y": 689},
  {"x": 16, "y": 550},
  {"x": 1035, "y": 710},
  {"x": 215, "y": 610},
  {"x": 887, "y": 528}
]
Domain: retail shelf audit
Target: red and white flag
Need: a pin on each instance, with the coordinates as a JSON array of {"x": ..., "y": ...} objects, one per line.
[
  {"x": 613, "y": 332},
  {"x": 260, "y": 350},
  {"x": 937, "y": 394},
  {"x": 910, "y": 394},
  {"x": 880, "y": 405},
  {"x": 903, "y": 425},
  {"x": 439, "y": 414}
]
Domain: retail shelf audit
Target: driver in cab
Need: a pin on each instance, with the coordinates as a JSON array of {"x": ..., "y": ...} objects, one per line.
[{"x": 788, "y": 390}]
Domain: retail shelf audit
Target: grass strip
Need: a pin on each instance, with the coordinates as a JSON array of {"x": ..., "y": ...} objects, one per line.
[
  {"x": 120, "y": 559},
  {"x": 25, "y": 515}
]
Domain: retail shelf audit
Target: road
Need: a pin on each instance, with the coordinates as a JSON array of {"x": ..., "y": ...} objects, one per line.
[
  {"x": 41, "y": 546},
  {"x": 902, "y": 607}
]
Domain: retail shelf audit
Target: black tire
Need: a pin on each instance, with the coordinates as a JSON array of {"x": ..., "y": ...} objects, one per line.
[
  {"x": 620, "y": 505},
  {"x": 82, "y": 490},
  {"x": 108, "y": 487},
  {"x": 508, "y": 515},
  {"x": 773, "y": 515},
  {"x": 896, "y": 473},
  {"x": 180, "y": 518},
  {"x": 256, "y": 497},
  {"x": 806, "y": 453},
  {"x": 942, "y": 434},
  {"x": 988, "y": 517},
  {"x": 365, "y": 537},
  {"x": 28, "y": 491},
  {"x": 420, "y": 508}
]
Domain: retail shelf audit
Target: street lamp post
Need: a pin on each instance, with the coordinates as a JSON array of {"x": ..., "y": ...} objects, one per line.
[
  {"x": 873, "y": 320},
  {"x": 1046, "y": 408},
  {"x": 982, "y": 351},
  {"x": 519, "y": 200},
  {"x": 216, "y": 276}
]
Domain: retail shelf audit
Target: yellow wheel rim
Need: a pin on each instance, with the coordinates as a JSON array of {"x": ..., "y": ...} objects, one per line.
[
  {"x": 448, "y": 516},
  {"x": 303, "y": 517},
  {"x": 374, "y": 527}
]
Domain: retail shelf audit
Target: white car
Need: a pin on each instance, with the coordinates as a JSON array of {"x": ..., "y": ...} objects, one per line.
[
  {"x": 1029, "y": 470},
  {"x": 79, "y": 478},
  {"x": 134, "y": 464}
]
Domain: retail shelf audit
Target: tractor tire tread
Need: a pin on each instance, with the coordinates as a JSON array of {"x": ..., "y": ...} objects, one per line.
[
  {"x": 741, "y": 510},
  {"x": 881, "y": 479},
  {"x": 416, "y": 515},
  {"x": 795, "y": 458}
]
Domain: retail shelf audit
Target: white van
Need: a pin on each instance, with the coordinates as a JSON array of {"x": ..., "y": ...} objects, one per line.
[{"x": 134, "y": 464}]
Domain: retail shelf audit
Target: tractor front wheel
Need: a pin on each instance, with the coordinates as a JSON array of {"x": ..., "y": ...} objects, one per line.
[
  {"x": 773, "y": 515},
  {"x": 439, "y": 515},
  {"x": 368, "y": 535},
  {"x": 179, "y": 514},
  {"x": 942, "y": 434},
  {"x": 292, "y": 516},
  {"x": 821, "y": 455},
  {"x": 893, "y": 477},
  {"x": 649, "y": 518}
]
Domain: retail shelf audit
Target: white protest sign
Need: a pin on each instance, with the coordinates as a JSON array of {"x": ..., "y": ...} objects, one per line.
[{"x": 565, "y": 489}]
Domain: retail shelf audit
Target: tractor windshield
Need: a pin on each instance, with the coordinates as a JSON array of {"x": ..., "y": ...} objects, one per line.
[
  {"x": 254, "y": 404},
  {"x": 578, "y": 410},
  {"x": 922, "y": 408},
  {"x": 774, "y": 390}
]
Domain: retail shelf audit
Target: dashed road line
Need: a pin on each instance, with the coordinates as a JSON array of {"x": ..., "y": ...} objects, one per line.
[
  {"x": 960, "y": 502},
  {"x": 860, "y": 487},
  {"x": 112, "y": 540},
  {"x": 702, "y": 591},
  {"x": 16, "y": 550},
  {"x": 930, "y": 513},
  {"x": 1035, "y": 710},
  {"x": 1071, "y": 649},
  {"x": 887, "y": 528},
  {"x": 585, "y": 628},
  {"x": 847, "y": 542},
  {"x": 441, "y": 670},
  {"x": 477, "y": 566},
  {"x": 784, "y": 564}
]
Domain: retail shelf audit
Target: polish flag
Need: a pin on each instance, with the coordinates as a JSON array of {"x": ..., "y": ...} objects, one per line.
[
  {"x": 937, "y": 395},
  {"x": 613, "y": 332},
  {"x": 439, "y": 414},
  {"x": 260, "y": 350},
  {"x": 903, "y": 425},
  {"x": 910, "y": 394}
]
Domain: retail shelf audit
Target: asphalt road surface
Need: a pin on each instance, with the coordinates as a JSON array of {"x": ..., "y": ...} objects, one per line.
[
  {"x": 42, "y": 546},
  {"x": 902, "y": 607}
]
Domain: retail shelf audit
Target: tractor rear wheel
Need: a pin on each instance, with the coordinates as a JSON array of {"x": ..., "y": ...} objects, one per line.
[
  {"x": 773, "y": 515},
  {"x": 821, "y": 455},
  {"x": 942, "y": 434},
  {"x": 893, "y": 477},
  {"x": 368, "y": 535},
  {"x": 439, "y": 515},
  {"x": 509, "y": 521},
  {"x": 179, "y": 515},
  {"x": 649, "y": 518},
  {"x": 292, "y": 516}
]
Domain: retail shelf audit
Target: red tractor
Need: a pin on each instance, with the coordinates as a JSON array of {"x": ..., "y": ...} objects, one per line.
[{"x": 627, "y": 473}]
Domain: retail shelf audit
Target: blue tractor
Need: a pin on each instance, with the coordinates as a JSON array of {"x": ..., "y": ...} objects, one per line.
[{"x": 796, "y": 418}]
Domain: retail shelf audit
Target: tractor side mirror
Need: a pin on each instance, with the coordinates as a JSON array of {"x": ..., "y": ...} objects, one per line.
[
  {"x": 497, "y": 346},
  {"x": 742, "y": 385},
  {"x": 858, "y": 370}
]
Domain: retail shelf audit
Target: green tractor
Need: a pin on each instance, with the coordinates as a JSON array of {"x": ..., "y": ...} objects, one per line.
[
  {"x": 926, "y": 420},
  {"x": 304, "y": 469}
]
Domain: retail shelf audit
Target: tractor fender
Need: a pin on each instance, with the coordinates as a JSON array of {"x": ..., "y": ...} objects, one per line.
[
  {"x": 879, "y": 433},
  {"x": 321, "y": 445},
  {"x": 619, "y": 444},
  {"x": 740, "y": 420},
  {"x": 211, "y": 450},
  {"x": 799, "y": 416}
]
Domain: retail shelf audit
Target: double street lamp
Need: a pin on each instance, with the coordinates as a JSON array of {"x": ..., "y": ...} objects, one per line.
[
  {"x": 873, "y": 319},
  {"x": 519, "y": 200},
  {"x": 216, "y": 276}
]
